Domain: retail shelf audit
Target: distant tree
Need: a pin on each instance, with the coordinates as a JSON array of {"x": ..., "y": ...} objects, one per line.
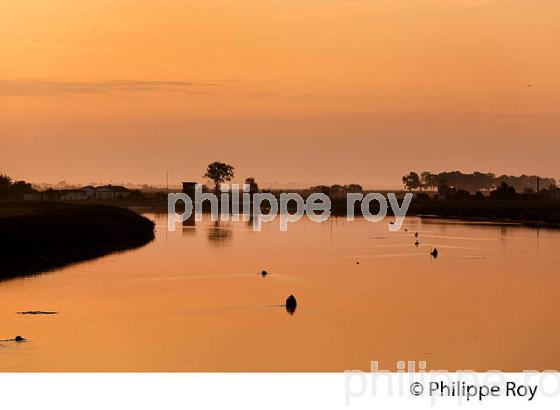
[
  {"x": 447, "y": 192},
  {"x": 218, "y": 173},
  {"x": 479, "y": 181},
  {"x": 355, "y": 188},
  {"x": 444, "y": 190},
  {"x": 5, "y": 185},
  {"x": 253, "y": 186},
  {"x": 411, "y": 181},
  {"x": 323, "y": 189},
  {"x": 483, "y": 181},
  {"x": 5, "y": 179},
  {"x": 503, "y": 192},
  {"x": 337, "y": 189},
  {"x": 13, "y": 190},
  {"x": 428, "y": 180},
  {"x": 19, "y": 189}
]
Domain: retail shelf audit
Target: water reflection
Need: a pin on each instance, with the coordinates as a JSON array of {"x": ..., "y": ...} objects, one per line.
[
  {"x": 190, "y": 221},
  {"x": 477, "y": 294},
  {"x": 220, "y": 233},
  {"x": 189, "y": 226}
]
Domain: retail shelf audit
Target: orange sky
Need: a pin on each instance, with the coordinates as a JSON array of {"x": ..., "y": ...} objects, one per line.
[{"x": 289, "y": 91}]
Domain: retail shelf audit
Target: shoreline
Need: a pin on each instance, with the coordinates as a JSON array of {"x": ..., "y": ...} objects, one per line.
[
  {"x": 529, "y": 213},
  {"x": 491, "y": 222},
  {"x": 40, "y": 237}
]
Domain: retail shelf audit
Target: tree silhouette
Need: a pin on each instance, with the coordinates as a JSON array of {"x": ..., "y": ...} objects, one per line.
[
  {"x": 219, "y": 172},
  {"x": 354, "y": 188},
  {"x": 477, "y": 181},
  {"x": 411, "y": 181},
  {"x": 10, "y": 189},
  {"x": 20, "y": 188},
  {"x": 5, "y": 185},
  {"x": 504, "y": 191},
  {"x": 253, "y": 186},
  {"x": 429, "y": 180}
]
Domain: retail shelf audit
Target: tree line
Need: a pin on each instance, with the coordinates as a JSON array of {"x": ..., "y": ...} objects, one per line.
[
  {"x": 477, "y": 181},
  {"x": 220, "y": 172},
  {"x": 10, "y": 189}
]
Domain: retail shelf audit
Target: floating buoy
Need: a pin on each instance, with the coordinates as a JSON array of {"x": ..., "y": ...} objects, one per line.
[
  {"x": 416, "y": 243},
  {"x": 291, "y": 304},
  {"x": 434, "y": 253},
  {"x": 19, "y": 339},
  {"x": 264, "y": 273},
  {"x": 291, "y": 301},
  {"x": 416, "y": 234}
]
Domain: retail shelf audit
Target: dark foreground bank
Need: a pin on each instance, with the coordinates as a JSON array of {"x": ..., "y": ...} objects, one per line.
[{"x": 43, "y": 236}]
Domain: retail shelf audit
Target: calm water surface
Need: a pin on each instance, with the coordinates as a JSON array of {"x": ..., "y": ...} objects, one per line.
[{"x": 193, "y": 300}]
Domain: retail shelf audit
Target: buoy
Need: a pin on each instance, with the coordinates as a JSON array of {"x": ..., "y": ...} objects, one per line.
[
  {"x": 416, "y": 234},
  {"x": 291, "y": 304},
  {"x": 264, "y": 273},
  {"x": 19, "y": 339},
  {"x": 416, "y": 243},
  {"x": 291, "y": 301},
  {"x": 434, "y": 253}
]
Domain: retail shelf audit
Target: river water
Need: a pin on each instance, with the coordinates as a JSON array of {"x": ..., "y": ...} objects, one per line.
[{"x": 194, "y": 300}]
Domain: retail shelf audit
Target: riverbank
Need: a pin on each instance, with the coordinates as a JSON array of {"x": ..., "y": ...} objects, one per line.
[
  {"x": 41, "y": 236},
  {"x": 531, "y": 213}
]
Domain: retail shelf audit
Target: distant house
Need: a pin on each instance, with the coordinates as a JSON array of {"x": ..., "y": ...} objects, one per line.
[
  {"x": 35, "y": 196},
  {"x": 88, "y": 193},
  {"x": 111, "y": 192}
]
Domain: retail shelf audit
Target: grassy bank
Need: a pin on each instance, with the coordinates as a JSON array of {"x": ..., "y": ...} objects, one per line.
[
  {"x": 528, "y": 212},
  {"x": 36, "y": 237}
]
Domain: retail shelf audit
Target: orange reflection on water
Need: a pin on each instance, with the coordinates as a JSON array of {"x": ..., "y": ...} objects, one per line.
[{"x": 195, "y": 300}]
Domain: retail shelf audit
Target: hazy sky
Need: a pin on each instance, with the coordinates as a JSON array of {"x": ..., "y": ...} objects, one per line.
[{"x": 288, "y": 91}]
